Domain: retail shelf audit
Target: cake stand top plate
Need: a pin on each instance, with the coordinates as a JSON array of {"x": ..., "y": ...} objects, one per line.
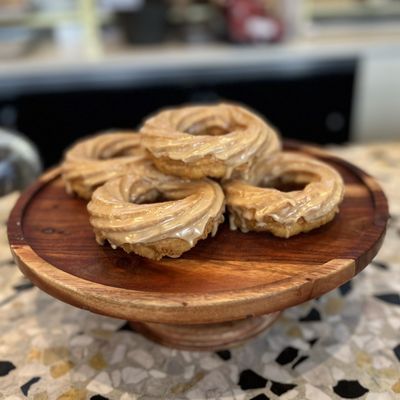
[{"x": 229, "y": 277}]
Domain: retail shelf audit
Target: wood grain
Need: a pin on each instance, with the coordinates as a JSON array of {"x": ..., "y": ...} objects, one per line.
[{"x": 229, "y": 277}]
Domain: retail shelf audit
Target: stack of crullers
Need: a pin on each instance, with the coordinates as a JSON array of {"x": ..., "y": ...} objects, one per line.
[{"x": 159, "y": 191}]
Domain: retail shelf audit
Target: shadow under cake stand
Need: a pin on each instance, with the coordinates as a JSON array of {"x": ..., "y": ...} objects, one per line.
[{"x": 220, "y": 293}]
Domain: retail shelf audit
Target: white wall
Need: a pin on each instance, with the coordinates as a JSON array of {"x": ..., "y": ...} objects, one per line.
[{"x": 376, "y": 114}]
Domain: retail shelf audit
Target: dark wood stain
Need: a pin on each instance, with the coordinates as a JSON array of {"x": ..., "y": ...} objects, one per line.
[{"x": 56, "y": 228}]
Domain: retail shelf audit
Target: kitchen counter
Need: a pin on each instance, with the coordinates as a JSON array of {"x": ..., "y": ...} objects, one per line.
[
  {"x": 344, "y": 345},
  {"x": 51, "y": 67}
]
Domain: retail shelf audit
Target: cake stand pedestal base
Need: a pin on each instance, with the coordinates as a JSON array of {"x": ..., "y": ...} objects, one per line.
[{"x": 209, "y": 337}]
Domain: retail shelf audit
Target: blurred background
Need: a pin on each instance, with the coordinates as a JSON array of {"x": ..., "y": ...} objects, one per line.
[{"x": 324, "y": 71}]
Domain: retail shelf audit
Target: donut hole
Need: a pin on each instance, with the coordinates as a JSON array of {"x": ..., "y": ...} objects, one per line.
[
  {"x": 207, "y": 131},
  {"x": 109, "y": 155},
  {"x": 152, "y": 196},
  {"x": 211, "y": 127},
  {"x": 290, "y": 181}
]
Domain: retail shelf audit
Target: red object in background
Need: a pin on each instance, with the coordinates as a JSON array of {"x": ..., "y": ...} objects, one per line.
[{"x": 248, "y": 21}]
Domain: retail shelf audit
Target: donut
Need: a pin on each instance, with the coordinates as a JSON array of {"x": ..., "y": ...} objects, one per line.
[
  {"x": 218, "y": 141},
  {"x": 92, "y": 161},
  {"x": 313, "y": 201},
  {"x": 125, "y": 212}
]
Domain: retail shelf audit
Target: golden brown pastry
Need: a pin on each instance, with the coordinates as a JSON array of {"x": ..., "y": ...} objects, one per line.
[
  {"x": 217, "y": 141},
  {"x": 284, "y": 214},
  {"x": 125, "y": 212},
  {"x": 92, "y": 161}
]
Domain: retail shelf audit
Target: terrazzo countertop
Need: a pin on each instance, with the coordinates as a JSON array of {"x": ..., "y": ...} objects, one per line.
[{"x": 344, "y": 345}]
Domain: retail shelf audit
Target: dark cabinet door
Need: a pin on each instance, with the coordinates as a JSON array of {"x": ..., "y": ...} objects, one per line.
[{"x": 313, "y": 104}]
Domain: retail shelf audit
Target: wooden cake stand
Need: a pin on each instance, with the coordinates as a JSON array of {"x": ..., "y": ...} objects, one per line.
[{"x": 222, "y": 292}]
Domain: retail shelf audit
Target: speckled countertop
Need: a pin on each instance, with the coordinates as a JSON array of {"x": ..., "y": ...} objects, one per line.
[{"x": 344, "y": 345}]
